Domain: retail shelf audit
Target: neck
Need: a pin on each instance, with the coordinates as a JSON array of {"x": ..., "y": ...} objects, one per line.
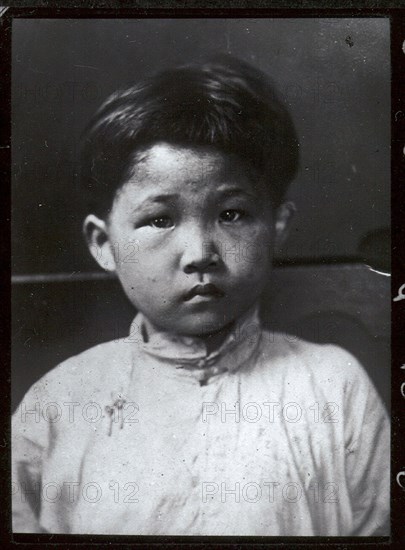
[
  {"x": 215, "y": 340},
  {"x": 212, "y": 341}
]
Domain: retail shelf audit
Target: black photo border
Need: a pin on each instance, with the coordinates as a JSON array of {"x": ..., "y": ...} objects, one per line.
[{"x": 207, "y": 9}]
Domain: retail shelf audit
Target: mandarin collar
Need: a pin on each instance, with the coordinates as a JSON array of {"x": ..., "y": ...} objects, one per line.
[{"x": 189, "y": 355}]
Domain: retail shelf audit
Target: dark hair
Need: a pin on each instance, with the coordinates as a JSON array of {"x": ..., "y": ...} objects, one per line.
[{"x": 223, "y": 102}]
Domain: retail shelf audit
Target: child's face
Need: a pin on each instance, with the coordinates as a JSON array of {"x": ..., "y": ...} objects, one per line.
[{"x": 188, "y": 217}]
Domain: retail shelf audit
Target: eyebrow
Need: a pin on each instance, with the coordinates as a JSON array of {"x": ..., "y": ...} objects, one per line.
[
  {"x": 170, "y": 198},
  {"x": 236, "y": 191},
  {"x": 160, "y": 199}
]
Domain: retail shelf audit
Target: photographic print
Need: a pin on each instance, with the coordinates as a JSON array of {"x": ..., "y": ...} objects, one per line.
[{"x": 201, "y": 276}]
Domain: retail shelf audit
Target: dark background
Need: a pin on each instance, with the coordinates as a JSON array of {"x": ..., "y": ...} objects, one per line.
[{"x": 334, "y": 74}]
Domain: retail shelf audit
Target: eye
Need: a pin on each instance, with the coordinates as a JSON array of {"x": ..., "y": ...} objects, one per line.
[
  {"x": 162, "y": 222},
  {"x": 229, "y": 216}
]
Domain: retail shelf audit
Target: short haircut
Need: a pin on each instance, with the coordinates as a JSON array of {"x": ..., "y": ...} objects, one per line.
[{"x": 222, "y": 102}]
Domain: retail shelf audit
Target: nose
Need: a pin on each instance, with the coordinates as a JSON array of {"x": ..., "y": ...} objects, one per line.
[{"x": 200, "y": 253}]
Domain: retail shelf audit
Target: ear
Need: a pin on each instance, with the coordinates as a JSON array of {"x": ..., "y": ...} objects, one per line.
[
  {"x": 97, "y": 239},
  {"x": 283, "y": 217}
]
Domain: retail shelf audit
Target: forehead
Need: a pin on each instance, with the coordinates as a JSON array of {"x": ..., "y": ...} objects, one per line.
[{"x": 168, "y": 165}]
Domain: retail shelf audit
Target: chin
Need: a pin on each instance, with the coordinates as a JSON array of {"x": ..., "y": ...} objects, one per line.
[{"x": 204, "y": 325}]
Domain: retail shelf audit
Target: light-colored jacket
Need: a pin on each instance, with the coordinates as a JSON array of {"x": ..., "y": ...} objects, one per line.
[{"x": 270, "y": 435}]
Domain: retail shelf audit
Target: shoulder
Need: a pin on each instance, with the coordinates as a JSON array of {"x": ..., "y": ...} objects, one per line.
[
  {"x": 82, "y": 380},
  {"x": 308, "y": 372},
  {"x": 323, "y": 364},
  {"x": 84, "y": 373}
]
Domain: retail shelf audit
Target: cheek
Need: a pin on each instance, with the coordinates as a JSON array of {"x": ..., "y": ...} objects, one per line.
[
  {"x": 144, "y": 277},
  {"x": 253, "y": 252},
  {"x": 130, "y": 253}
]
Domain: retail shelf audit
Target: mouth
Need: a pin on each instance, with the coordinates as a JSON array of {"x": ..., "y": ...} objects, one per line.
[{"x": 208, "y": 291}]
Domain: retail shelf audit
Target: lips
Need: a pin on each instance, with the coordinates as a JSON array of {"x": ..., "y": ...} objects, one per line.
[{"x": 204, "y": 290}]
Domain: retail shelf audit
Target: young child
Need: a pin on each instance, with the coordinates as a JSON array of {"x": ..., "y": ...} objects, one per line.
[{"x": 200, "y": 422}]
